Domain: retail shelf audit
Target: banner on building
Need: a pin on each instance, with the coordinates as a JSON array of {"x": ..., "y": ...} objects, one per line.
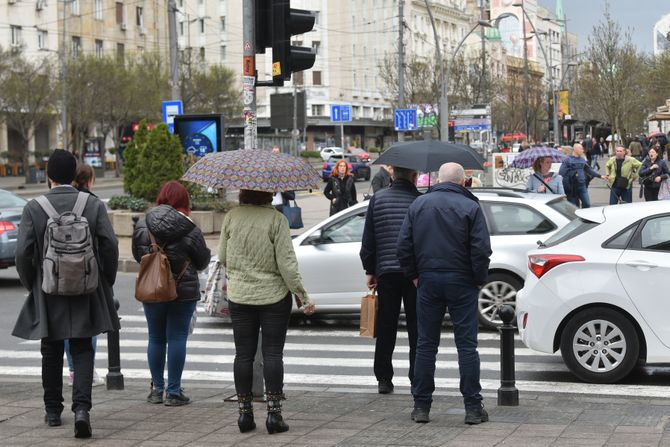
[{"x": 563, "y": 103}]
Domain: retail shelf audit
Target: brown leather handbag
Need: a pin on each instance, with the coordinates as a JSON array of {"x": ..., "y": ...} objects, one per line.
[{"x": 155, "y": 282}]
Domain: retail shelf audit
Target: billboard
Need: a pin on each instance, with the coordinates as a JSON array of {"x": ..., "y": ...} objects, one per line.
[
  {"x": 563, "y": 103},
  {"x": 200, "y": 134}
]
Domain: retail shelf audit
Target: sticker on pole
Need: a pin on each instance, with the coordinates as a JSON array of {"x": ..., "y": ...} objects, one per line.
[
  {"x": 247, "y": 46},
  {"x": 276, "y": 69},
  {"x": 249, "y": 68}
]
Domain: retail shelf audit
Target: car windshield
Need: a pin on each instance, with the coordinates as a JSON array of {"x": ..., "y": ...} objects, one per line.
[
  {"x": 564, "y": 207},
  {"x": 575, "y": 228},
  {"x": 8, "y": 200}
]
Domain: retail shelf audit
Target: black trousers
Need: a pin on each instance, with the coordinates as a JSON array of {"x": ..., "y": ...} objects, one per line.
[
  {"x": 52, "y": 374},
  {"x": 651, "y": 194},
  {"x": 394, "y": 289},
  {"x": 272, "y": 320}
]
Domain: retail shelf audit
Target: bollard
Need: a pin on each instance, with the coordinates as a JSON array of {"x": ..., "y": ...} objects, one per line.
[
  {"x": 508, "y": 394},
  {"x": 114, "y": 377}
]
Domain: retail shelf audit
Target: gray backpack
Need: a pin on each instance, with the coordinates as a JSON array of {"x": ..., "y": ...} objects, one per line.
[{"x": 69, "y": 266}]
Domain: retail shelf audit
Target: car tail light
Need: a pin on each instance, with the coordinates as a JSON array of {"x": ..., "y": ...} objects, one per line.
[
  {"x": 325, "y": 166},
  {"x": 541, "y": 264},
  {"x": 524, "y": 322},
  {"x": 6, "y": 226}
]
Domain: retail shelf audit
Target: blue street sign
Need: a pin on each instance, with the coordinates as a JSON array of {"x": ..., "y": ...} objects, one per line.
[
  {"x": 170, "y": 110},
  {"x": 346, "y": 113},
  {"x": 404, "y": 119},
  {"x": 335, "y": 113}
]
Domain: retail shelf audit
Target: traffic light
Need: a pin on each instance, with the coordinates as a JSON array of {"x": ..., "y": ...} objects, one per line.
[{"x": 275, "y": 23}]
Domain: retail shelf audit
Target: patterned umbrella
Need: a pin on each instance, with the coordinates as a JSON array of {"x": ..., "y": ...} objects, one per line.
[
  {"x": 526, "y": 158},
  {"x": 255, "y": 169}
]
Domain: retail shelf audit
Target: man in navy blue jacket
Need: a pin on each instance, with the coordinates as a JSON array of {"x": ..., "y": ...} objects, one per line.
[
  {"x": 574, "y": 171},
  {"x": 386, "y": 213},
  {"x": 444, "y": 247}
]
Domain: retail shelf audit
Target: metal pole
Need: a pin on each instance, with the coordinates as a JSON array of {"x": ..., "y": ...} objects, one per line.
[
  {"x": 439, "y": 64},
  {"x": 249, "y": 79},
  {"x": 526, "y": 117},
  {"x": 63, "y": 111},
  {"x": 172, "y": 32},
  {"x": 342, "y": 135},
  {"x": 294, "y": 132},
  {"x": 482, "y": 79},
  {"x": 508, "y": 394},
  {"x": 401, "y": 65}
]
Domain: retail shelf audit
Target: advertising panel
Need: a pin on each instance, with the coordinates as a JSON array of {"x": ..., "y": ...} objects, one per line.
[{"x": 200, "y": 134}]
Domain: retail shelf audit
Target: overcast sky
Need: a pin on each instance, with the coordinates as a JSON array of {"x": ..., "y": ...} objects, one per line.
[{"x": 637, "y": 15}]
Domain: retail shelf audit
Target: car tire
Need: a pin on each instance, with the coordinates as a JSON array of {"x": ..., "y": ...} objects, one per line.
[
  {"x": 499, "y": 289},
  {"x": 616, "y": 328}
]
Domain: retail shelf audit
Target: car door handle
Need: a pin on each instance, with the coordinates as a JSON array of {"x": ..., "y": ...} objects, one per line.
[{"x": 641, "y": 264}]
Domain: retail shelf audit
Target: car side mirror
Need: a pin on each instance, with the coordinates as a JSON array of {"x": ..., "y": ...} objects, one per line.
[{"x": 313, "y": 239}]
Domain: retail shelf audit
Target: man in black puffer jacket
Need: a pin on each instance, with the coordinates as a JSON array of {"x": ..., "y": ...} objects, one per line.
[{"x": 386, "y": 213}]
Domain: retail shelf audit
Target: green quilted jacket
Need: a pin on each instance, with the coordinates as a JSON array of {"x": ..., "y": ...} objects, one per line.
[{"x": 255, "y": 246}]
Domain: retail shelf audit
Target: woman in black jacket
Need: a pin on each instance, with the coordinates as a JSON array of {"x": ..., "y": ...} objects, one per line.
[
  {"x": 341, "y": 188},
  {"x": 654, "y": 170},
  {"x": 168, "y": 322}
]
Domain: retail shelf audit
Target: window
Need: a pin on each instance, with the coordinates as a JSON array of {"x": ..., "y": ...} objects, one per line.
[
  {"x": 655, "y": 234},
  {"x": 315, "y": 46},
  {"x": 75, "y": 11},
  {"x": 318, "y": 110},
  {"x": 15, "y": 35},
  {"x": 620, "y": 241},
  {"x": 317, "y": 14},
  {"x": 98, "y": 48},
  {"x": 139, "y": 16},
  {"x": 223, "y": 53},
  {"x": 316, "y": 78},
  {"x": 119, "y": 13},
  {"x": 120, "y": 50},
  {"x": 181, "y": 28},
  {"x": 509, "y": 218},
  {"x": 223, "y": 23},
  {"x": 202, "y": 53},
  {"x": 299, "y": 78},
  {"x": 349, "y": 229},
  {"x": 571, "y": 230},
  {"x": 42, "y": 39},
  {"x": 97, "y": 10},
  {"x": 202, "y": 26},
  {"x": 76, "y": 46},
  {"x": 564, "y": 207}
]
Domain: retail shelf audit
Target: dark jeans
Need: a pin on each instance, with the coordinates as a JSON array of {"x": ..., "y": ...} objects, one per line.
[
  {"x": 580, "y": 195},
  {"x": 394, "y": 289},
  {"x": 68, "y": 355},
  {"x": 52, "y": 374},
  {"x": 625, "y": 194},
  {"x": 437, "y": 292},
  {"x": 272, "y": 320},
  {"x": 168, "y": 326}
]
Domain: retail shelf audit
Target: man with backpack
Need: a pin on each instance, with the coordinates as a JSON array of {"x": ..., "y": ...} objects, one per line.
[
  {"x": 67, "y": 257},
  {"x": 574, "y": 171}
]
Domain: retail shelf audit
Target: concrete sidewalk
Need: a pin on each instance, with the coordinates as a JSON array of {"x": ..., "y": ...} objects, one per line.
[{"x": 332, "y": 417}]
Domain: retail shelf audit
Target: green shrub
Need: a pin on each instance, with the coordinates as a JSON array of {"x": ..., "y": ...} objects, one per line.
[
  {"x": 213, "y": 204},
  {"x": 128, "y": 203},
  {"x": 131, "y": 157},
  {"x": 154, "y": 162},
  {"x": 375, "y": 150},
  {"x": 310, "y": 154}
]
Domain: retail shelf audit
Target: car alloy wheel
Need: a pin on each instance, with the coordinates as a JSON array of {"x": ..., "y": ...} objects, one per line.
[
  {"x": 499, "y": 290},
  {"x": 600, "y": 345}
]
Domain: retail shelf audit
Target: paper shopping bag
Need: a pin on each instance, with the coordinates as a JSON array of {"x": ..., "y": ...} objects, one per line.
[{"x": 369, "y": 307}]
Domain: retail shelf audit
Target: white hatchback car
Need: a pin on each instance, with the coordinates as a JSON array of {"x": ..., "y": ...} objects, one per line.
[
  {"x": 328, "y": 152},
  {"x": 328, "y": 253},
  {"x": 598, "y": 291}
]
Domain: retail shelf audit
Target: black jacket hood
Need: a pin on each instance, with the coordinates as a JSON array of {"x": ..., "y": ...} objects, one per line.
[{"x": 168, "y": 224}]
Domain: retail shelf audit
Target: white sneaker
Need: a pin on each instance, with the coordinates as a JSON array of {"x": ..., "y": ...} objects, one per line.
[
  {"x": 97, "y": 380},
  {"x": 70, "y": 378}
]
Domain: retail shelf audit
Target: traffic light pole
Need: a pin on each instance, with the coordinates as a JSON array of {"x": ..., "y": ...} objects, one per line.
[{"x": 249, "y": 78}]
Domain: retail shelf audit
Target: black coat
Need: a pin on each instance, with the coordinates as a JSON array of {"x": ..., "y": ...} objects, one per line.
[
  {"x": 385, "y": 215},
  {"x": 343, "y": 191},
  {"x": 381, "y": 180},
  {"x": 182, "y": 241},
  {"x": 445, "y": 230},
  {"x": 64, "y": 317},
  {"x": 650, "y": 174}
]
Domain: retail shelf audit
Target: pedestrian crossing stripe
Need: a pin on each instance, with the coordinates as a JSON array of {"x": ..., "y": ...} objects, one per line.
[{"x": 326, "y": 381}]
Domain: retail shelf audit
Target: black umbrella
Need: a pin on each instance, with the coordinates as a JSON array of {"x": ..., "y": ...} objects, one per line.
[{"x": 429, "y": 155}]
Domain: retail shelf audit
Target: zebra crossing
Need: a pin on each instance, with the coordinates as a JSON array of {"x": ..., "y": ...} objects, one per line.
[{"x": 328, "y": 358}]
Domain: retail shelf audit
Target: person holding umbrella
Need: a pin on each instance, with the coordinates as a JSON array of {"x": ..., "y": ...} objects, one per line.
[
  {"x": 341, "y": 188},
  {"x": 543, "y": 180},
  {"x": 255, "y": 247}
]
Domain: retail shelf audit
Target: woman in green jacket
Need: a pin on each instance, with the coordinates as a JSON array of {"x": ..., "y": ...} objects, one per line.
[{"x": 262, "y": 270}]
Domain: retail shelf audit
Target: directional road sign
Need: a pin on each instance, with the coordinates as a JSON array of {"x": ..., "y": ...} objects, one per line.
[
  {"x": 404, "y": 119},
  {"x": 340, "y": 113},
  {"x": 170, "y": 110}
]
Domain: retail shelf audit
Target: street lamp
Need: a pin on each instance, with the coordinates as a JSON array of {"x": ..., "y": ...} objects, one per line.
[{"x": 444, "y": 98}]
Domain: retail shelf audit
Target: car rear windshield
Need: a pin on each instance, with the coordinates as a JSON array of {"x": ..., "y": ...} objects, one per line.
[
  {"x": 564, "y": 207},
  {"x": 8, "y": 200},
  {"x": 575, "y": 228}
]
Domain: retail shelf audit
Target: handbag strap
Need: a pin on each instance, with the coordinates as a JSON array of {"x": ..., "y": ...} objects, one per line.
[{"x": 544, "y": 183}]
